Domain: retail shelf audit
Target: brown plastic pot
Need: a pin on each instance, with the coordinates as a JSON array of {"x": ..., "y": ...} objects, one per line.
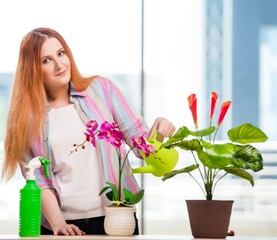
[{"x": 209, "y": 218}]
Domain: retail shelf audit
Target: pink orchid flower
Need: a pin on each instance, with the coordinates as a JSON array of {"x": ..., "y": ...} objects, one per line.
[
  {"x": 92, "y": 125},
  {"x": 111, "y": 133},
  {"x": 90, "y": 137},
  {"x": 140, "y": 143}
]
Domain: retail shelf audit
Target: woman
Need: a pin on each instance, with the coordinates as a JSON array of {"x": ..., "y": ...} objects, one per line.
[{"x": 50, "y": 104}]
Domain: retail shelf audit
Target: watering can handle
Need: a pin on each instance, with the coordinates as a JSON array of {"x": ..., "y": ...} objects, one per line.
[{"x": 154, "y": 137}]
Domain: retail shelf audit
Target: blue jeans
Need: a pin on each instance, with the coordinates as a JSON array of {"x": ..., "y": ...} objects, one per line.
[{"x": 89, "y": 226}]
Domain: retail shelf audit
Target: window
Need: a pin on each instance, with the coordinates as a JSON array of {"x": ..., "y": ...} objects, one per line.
[{"x": 268, "y": 80}]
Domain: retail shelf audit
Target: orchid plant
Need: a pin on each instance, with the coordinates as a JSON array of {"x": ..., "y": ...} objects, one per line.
[
  {"x": 214, "y": 160},
  {"x": 110, "y": 133}
]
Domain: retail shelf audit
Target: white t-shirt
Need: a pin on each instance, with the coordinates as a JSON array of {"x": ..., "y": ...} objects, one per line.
[{"x": 78, "y": 174}]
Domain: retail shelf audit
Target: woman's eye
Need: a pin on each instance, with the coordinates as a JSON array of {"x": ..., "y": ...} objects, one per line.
[
  {"x": 61, "y": 53},
  {"x": 46, "y": 60}
]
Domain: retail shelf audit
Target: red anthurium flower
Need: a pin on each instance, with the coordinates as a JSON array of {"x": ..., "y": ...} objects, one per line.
[
  {"x": 223, "y": 111},
  {"x": 193, "y": 107},
  {"x": 213, "y": 102},
  {"x": 140, "y": 143}
]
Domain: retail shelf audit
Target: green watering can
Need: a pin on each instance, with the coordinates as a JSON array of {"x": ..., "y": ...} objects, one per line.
[{"x": 161, "y": 161}]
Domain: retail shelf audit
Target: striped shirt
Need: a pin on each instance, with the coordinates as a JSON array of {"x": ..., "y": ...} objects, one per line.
[{"x": 101, "y": 101}]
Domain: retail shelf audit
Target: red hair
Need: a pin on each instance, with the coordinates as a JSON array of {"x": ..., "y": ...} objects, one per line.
[{"x": 28, "y": 105}]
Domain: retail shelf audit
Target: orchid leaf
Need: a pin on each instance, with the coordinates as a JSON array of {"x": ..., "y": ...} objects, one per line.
[
  {"x": 104, "y": 189},
  {"x": 132, "y": 198},
  {"x": 109, "y": 195},
  {"x": 246, "y": 133},
  {"x": 128, "y": 195},
  {"x": 113, "y": 194}
]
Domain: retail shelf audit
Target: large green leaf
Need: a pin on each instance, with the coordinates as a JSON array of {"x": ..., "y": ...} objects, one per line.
[
  {"x": 183, "y": 170},
  {"x": 223, "y": 150},
  {"x": 240, "y": 173},
  {"x": 181, "y": 133},
  {"x": 246, "y": 133},
  {"x": 192, "y": 145},
  {"x": 213, "y": 161},
  {"x": 247, "y": 157},
  {"x": 203, "y": 132}
]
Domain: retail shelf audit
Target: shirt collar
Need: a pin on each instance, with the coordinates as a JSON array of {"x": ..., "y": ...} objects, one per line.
[{"x": 74, "y": 92}]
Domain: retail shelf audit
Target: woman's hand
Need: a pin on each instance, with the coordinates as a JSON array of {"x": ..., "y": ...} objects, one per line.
[
  {"x": 67, "y": 230},
  {"x": 53, "y": 214},
  {"x": 164, "y": 127}
]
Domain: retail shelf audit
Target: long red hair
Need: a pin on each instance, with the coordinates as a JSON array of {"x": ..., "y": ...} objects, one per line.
[{"x": 28, "y": 104}]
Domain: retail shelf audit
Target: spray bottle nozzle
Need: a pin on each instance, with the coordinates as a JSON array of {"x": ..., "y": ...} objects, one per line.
[
  {"x": 37, "y": 162},
  {"x": 45, "y": 163}
]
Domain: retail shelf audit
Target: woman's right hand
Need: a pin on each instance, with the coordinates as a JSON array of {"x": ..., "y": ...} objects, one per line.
[
  {"x": 53, "y": 214},
  {"x": 67, "y": 230}
]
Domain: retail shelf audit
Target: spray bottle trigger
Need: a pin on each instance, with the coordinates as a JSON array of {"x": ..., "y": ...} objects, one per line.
[{"x": 45, "y": 163}]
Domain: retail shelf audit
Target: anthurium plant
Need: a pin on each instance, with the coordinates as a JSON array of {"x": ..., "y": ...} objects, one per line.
[
  {"x": 215, "y": 160},
  {"x": 110, "y": 133}
]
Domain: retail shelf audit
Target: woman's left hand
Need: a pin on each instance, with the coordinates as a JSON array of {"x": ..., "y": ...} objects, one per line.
[{"x": 164, "y": 127}]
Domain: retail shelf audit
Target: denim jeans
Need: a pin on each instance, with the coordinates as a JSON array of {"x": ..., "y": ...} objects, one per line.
[{"x": 89, "y": 226}]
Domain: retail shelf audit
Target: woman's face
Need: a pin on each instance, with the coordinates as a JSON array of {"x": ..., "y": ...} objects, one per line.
[{"x": 55, "y": 64}]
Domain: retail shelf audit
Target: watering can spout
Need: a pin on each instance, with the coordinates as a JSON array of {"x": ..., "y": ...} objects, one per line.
[{"x": 144, "y": 169}]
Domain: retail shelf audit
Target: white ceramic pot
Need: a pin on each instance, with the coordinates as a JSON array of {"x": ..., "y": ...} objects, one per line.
[{"x": 119, "y": 221}]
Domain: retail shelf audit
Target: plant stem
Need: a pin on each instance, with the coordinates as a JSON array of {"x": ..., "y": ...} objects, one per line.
[
  {"x": 209, "y": 185},
  {"x": 219, "y": 179},
  {"x": 210, "y": 134},
  {"x": 120, "y": 173},
  {"x": 197, "y": 183},
  {"x": 120, "y": 168},
  {"x": 215, "y": 134},
  {"x": 198, "y": 168},
  {"x": 126, "y": 157}
]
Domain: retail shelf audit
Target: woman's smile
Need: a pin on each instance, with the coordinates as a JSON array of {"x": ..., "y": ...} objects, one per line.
[{"x": 63, "y": 73}]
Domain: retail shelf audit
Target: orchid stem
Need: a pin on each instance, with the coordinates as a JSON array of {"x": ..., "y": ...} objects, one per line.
[{"x": 120, "y": 173}]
